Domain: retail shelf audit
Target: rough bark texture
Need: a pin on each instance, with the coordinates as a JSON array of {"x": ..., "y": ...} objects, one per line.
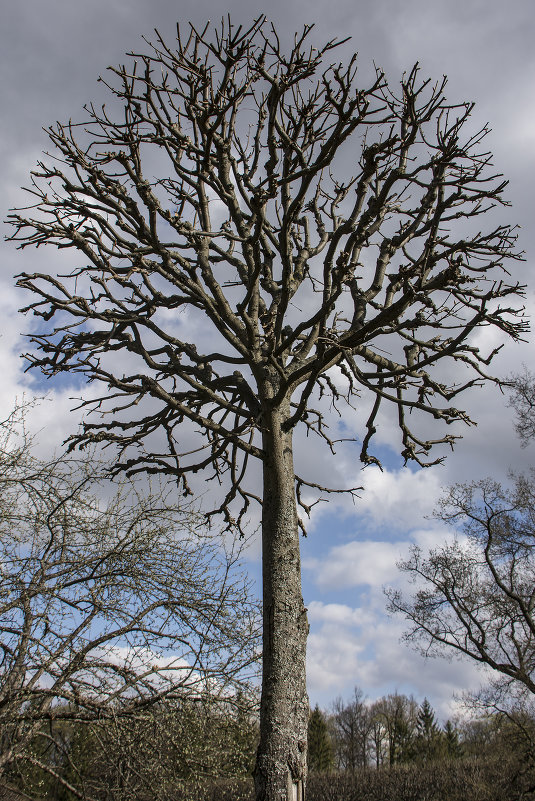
[{"x": 280, "y": 772}]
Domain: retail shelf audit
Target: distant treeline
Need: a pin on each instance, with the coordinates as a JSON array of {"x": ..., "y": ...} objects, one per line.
[
  {"x": 396, "y": 730},
  {"x": 204, "y": 750}
]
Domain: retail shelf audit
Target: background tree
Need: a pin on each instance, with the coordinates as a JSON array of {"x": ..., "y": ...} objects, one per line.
[
  {"x": 109, "y": 599},
  {"x": 428, "y": 740},
  {"x": 350, "y": 723},
  {"x": 476, "y": 595},
  {"x": 378, "y": 735},
  {"x": 320, "y": 750},
  {"x": 399, "y": 714},
  {"x": 522, "y": 401},
  {"x": 225, "y": 195},
  {"x": 452, "y": 747}
]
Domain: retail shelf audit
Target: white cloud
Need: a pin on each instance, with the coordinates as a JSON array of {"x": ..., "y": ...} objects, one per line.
[
  {"x": 399, "y": 499},
  {"x": 357, "y": 563},
  {"x": 360, "y": 647},
  {"x": 333, "y": 652},
  {"x": 368, "y": 567},
  {"x": 337, "y": 614},
  {"x": 394, "y": 501}
]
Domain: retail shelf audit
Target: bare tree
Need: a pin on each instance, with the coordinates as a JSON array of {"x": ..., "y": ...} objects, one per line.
[
  {"x": 522, "y": 401},
  {"x": 398, "y": 713},
  {"x": 318, "y": 232},
  {"x": 106, "y": 606},
  {"x": 351, "y": 723},
  {"x": 175, "y": 748},
  {"x": 378, "y": 735},
  {"x": 476, "y": 595}
]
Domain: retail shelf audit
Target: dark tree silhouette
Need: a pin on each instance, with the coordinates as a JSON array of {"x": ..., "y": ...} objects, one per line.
[
  {"x": 452, "y": 747},
  {"x": 320, "y": 232}
]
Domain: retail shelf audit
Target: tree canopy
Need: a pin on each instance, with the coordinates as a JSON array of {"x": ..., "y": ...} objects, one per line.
[{"x": 221, "y": 193}]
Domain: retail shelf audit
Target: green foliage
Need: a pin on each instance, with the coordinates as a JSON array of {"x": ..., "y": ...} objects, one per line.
[
  {"x": 320, "y": 750},
  {"x": 59, "y": 756},
  {"x": 452, "y": 747},
  {"x": 428, "y": 743},
  {"x": 426, "y": 724},
  {"x": 204, "y": 751}
]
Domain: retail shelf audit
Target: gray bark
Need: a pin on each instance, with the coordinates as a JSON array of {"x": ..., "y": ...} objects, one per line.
[{"x": 280, "y": 773}]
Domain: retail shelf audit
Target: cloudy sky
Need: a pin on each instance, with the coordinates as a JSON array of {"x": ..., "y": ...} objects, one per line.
[{"x": 51, "y": 55}]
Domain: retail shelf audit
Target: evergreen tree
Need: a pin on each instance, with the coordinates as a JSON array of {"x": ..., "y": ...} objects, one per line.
[
  {"x": 320, "y": 751},
  {"x": 427, "y": 743},
  {"x": 453, "y": 747},
  {"x": 426, "y": 723}
]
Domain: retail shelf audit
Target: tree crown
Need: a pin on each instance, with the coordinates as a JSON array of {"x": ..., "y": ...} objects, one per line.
[{"x": 316, "y": 236}]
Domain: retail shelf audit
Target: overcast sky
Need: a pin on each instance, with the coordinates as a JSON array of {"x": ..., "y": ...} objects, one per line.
[{"x": 51, "y": 54}]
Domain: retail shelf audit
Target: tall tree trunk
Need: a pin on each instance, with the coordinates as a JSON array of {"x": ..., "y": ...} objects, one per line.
[{"x": 280, "y": 772}]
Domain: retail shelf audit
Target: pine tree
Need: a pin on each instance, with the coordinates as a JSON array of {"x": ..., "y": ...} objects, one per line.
[
  {"x": 428, "y": 736},
  {"x": 426, "y": 724},
  {"x": 453, "y": 747},
  {"x": 320, "y": 751}
]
